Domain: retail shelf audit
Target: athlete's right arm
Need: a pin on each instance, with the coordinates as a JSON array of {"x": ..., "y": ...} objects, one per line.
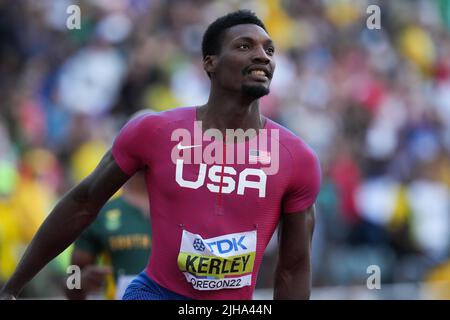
[{"x": 72, "y": 214}]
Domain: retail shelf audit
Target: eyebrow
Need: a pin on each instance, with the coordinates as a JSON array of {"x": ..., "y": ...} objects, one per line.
[{"x": 268, "y": 41}]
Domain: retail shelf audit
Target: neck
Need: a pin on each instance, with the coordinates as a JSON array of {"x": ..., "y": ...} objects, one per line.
[{"x": 226, "y": 110}]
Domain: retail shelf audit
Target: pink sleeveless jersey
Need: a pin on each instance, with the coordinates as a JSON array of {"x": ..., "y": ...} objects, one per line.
[{"x": 214, "y": 206}]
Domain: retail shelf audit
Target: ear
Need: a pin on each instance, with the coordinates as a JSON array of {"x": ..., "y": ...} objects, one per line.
[{"x": 210, "y": 64}]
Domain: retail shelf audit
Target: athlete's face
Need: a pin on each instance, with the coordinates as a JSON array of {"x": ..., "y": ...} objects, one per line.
[{"x": 245, "y": 62}]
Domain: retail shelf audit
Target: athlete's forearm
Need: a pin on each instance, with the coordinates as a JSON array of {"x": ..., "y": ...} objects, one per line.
[
  {"x": 76, "y": 210},
  {"x": 294, "y": 283},
  {"x": 63, "y": 225}
]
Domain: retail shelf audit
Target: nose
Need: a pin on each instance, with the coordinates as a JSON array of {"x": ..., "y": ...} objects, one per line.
[{"x": 261, "y": 56}]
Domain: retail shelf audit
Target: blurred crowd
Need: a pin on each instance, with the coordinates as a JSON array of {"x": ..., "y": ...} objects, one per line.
[{"x": 374, "y": 105}]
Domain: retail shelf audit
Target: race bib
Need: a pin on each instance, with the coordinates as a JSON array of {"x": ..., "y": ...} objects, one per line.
[{"x": 224, "y": 262}]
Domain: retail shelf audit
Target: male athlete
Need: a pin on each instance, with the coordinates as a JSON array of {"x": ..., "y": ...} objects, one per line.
[
  {"x": 121, "y": 233},
  {"x": 212, "y": 216}
]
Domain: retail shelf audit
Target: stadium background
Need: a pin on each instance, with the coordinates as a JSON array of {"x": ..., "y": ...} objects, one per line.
[{"x": 374, "y": 105}]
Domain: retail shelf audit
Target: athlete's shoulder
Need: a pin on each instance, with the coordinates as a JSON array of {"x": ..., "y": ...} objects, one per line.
[
  {"x": 150, "y": 119},
  {"x": 305, "y": 174},
  {"x": 178, "y": 113},
  {"x": 147, "y": 122}
]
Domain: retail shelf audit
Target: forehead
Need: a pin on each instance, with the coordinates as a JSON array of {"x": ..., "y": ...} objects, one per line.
[{"x": 251, "y": 31}]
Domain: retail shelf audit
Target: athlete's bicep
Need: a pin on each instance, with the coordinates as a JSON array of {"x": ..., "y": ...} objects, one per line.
[
  {"x": 295, "y": 236},
  {"x": 100, "y": 185},
  {"x": 293, "y": 273}
]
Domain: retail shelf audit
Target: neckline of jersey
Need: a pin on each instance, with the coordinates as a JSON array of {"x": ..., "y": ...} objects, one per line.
[{"x": 265, "y": 127}]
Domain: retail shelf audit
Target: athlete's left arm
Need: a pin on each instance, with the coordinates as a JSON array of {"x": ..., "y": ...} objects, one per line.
[{"x": 293, "y": 272}]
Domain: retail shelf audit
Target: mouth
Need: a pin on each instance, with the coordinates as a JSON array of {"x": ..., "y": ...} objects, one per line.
[{"x": 260, "y": 74}]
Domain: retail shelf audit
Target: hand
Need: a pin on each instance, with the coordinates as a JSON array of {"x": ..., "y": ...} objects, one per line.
[{"x": 93, "y": 278}]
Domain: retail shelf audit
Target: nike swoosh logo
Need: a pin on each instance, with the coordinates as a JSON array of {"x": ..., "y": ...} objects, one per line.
[{"x": 180, "y": 147}]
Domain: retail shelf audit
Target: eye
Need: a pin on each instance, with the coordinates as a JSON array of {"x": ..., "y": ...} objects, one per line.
[
  {"x": 244, "y": 46},
  {"x": 270, "y": 51}
]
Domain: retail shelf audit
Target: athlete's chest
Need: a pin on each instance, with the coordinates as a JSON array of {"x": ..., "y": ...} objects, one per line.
[{"x": 234, "y": 180}]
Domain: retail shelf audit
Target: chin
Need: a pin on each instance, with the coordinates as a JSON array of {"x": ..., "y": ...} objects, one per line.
[{"x": 255, "y": 91}]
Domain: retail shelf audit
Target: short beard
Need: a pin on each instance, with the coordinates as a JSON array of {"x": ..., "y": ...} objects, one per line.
[{"x": 255, "y": 92}]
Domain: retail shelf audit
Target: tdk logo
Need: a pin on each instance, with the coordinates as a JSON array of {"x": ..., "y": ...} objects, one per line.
[
  {"x": 225, "y": 246},
  {"x": 198, "y": 245}
]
